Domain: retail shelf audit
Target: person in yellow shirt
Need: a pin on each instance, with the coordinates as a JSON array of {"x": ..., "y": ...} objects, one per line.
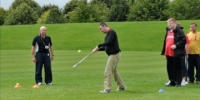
[{"x": 194, "y": 54}]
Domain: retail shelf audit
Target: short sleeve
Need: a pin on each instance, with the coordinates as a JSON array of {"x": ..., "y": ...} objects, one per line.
[
  {"x": 50, "y": 41},
  {"x": 34, "y": 41}
]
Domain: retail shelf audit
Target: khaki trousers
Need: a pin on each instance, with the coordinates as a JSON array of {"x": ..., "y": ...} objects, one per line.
[{"x": 111, "y": 68}]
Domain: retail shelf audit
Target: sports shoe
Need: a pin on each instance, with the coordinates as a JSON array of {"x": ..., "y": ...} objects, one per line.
[
  {"x": 104, "y": 91},
  {"x": 170, "y": 84},
  {"x": 39, "y": 83},
  {"x": 191, "y": 81},
  {"x": 198, "y": 82},
  {"x": 121, "y": 89},
  {"x": 177, "y": 85},
  {"x": 184, "y": 83},
  {"x": 167, "y": 83}
]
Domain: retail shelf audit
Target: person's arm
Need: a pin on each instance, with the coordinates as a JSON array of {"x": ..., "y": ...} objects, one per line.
[
  {"x": 182, "y": 42},
  {"x": 98, "y": 49},
  {"x": 102, "y": 48},
  {"x": 51, "y": 49},
  {"x": 187, "y": 46},
  {"x": 33, "y": 50},
  {"x": 33, "y": 54},
  {"x": 51, "y": 52},
  {"x": 164, "y": 43},
  {"x": 187, "y": 49}
]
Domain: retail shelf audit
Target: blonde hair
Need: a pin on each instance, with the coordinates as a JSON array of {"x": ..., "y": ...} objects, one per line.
[
  {"x": 42, "y": 27},
  {"x": 172, "y": 20}
]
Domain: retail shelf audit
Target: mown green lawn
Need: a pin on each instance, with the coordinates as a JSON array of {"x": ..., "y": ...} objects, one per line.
[
  {"x": 144, "y": 73},
  {"x": 142, "y": 67},
  {"x": 133, "y": 36}
]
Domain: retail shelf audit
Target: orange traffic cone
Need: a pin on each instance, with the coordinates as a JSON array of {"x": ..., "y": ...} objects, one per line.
[
  {"x": 36, "y": 86},
  {"x": 17, "y": 85}
]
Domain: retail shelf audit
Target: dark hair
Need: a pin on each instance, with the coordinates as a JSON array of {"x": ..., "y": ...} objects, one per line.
[
  {"x": 193, "y": 23},
  {"x": 103, "y": 24}
]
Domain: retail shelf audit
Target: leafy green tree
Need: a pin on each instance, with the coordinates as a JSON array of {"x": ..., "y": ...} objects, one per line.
[
  {"x": 80, "y": 14},
  {"x": 89, "y": 12},
  {"x": 185, "y": 9},
  {"x": 51, "y": 14},
  {"x": 146, "y": 10},
  {"x": 99, "y": 11},
  {"x": 48, "y": 7},
  {"x": 119, "y": 11},
  {"x": 3, "y": 14},
  {"x": 34, "y": 5},
  {"x": 108, "y": 3},
  {"x": 70, "y": 6},
  {"x": 54, "y": 16},
  {"x": 23, "y": 14},
  {"x": 43, "y": 18},
  {"x": 130, "y": 2}
]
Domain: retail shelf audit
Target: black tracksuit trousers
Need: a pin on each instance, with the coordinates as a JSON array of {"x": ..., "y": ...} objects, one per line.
[
  {"x": 174, "y": 68},
  {"x": 43, "y": 59}
]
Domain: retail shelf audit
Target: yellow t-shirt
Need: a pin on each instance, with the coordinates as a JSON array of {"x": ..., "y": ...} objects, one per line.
[{"x": 194, "y": 46}]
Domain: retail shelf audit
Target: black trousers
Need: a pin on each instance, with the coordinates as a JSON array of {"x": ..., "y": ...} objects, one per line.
[
  {"x": 43, "y": 59},
  {"x": 194, "y": 62},
  {"x": 185, "y": 67},
  {"x": 174, "y": 68}
]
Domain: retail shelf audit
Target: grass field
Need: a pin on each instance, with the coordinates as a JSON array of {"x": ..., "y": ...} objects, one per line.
[
  {"x": 133, "y": 36},
  {"x": 144, "y": 74},
  {"x": 142, "y": 67}
]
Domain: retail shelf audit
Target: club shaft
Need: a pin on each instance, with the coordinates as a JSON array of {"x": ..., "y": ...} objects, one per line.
[{"x": 82, "y": 60}]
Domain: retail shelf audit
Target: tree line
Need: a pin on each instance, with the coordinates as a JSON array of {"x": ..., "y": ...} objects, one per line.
[{"x": 80, "y": 11}]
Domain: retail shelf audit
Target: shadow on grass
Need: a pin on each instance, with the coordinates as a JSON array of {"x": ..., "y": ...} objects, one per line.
[
  {"x": 192, "y": 85},
  {"x": 134, "y": 91}
]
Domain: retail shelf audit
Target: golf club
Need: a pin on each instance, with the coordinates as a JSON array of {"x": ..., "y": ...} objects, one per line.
[{"x": 82, "y": 60}]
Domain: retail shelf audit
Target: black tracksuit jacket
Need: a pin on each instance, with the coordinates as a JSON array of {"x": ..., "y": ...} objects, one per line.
[{"x": 179, "y": 41}]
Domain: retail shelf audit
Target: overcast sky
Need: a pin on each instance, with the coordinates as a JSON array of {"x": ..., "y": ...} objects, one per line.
[{"x": 61, "y": 3}]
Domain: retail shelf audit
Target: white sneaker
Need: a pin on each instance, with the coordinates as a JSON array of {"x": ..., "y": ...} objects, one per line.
[
  {"x": 186, "y": 82},
  {"x": 167, "y": 83},
  {"x": 104, "y": 91},
  {"x": 183, "y": 83},
  {"x": 39, "y": 83}
]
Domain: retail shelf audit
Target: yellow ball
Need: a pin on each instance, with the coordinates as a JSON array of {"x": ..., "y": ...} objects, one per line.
[{"x": 79, "y": 51}]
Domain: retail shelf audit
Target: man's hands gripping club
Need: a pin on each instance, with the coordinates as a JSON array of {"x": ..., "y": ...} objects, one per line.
[{"x": 95, "y": 49}]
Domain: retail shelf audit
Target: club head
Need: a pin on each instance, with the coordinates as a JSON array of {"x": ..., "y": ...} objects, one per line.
[{"x": 75, "y": 66}]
